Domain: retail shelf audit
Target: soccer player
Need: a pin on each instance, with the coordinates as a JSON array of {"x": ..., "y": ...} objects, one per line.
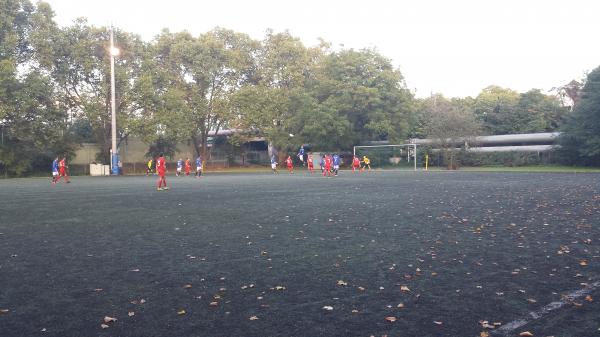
[
  {"x": 355, "y": 164},
  {"x": 322, "y": 163},
  {"x": 199, "y": 166},
  {"x": 290, "y": 165},
  {"x": 179, "y": 167},
  {"x": 273, "y": 163},
  {"x": 328, "y": 162},
  {"x": 62, "y": 170},
  {"x": 367, "y": 162},
  {"x": 311, "y": 164},
  {"x": 149, "y": 170},
  {"x": 55, "y": 170},
  {"x": 161, "y": 169},
  {"x": 188, "y": 166},
  {"x": 336, "y": 163},
  {"x": 301, "y": 154}
]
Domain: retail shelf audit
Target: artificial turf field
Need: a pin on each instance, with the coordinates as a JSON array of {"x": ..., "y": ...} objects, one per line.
[{"x": 518, "y": 249}]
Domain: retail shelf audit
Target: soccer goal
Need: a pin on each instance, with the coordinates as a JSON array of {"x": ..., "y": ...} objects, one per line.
[{"x": 389, "y": 156}]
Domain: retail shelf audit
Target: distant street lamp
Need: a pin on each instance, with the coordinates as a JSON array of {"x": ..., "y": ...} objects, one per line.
[{"x": 114, "y": 160}]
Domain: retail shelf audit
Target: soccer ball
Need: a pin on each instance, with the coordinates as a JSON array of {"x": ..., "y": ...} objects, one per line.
[{"x": 291, "y": 135}]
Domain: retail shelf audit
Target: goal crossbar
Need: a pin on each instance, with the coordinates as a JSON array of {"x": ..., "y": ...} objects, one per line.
[{"x": 414, "y": 146}]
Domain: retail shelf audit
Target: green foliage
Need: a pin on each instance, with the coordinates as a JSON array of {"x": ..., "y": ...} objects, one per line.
[
  {"x": 162, "y": 145},
  {"x": 581, "y": 138}
]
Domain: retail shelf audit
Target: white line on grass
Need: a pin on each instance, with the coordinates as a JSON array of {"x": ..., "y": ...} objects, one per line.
[{"x": 535, "y": 315}]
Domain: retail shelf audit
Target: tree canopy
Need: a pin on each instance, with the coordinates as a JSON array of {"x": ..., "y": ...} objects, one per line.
[{"x": 55, "y": 93}]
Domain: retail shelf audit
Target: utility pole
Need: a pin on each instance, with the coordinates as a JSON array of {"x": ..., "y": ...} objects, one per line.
[{"x": 114, "y": 157}]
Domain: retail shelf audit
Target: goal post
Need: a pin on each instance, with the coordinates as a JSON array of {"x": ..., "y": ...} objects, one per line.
[{"x": 394, "y": 155}]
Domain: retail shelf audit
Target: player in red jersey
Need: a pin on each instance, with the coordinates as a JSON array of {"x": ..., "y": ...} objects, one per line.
[
  {"x": 328, "y": 162},
  {"x": 187, "y": 166},
  {"x": 161, "y": 169},
  {"x": 311, "y": 164},
  {"x": 355, "y": 164},
  {"x": 290, "y": 165},
  {"x": 62, "y": 170}
]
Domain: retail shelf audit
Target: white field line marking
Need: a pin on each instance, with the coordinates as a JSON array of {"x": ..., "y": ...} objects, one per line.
[{"x": 535, "y": 315}]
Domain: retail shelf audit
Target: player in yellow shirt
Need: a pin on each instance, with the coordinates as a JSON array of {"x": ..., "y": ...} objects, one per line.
[{"x": 367, "y": 162}]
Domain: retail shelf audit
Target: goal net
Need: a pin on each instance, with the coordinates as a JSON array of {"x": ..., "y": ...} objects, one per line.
[{"x": 400, "y": 156}]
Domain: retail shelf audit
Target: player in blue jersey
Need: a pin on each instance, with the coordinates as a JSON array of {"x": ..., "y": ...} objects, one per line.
[
  {"x": 54, "y": 171},
  {"x": 336, "y": 163},
  {"x": 301, "y": 154},
  {"x": 322, "y": 163},
  {"x": 179, "y": 167},
  {"x": 198, "y": 166}
]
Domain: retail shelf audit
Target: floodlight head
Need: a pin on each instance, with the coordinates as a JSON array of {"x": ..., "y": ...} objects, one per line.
[{"x": 114, "y": 51}]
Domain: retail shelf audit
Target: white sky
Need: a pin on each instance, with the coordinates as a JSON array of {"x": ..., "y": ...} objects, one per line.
[{"x": 454, "y": 47}]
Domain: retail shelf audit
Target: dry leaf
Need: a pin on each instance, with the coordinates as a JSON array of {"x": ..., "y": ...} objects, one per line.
[
  {"x": 400, "y": 305},
  {"x": 187, "y": 286},
  {"x": 108, "y": 319},
  {"x": 104, "y": 326},
  {"x": 98, "y": 289},
  {"x": 342, "y": 283},
  {"x": 131, "y": 313},
  {"x": 135, "y": 270},
  {"x": 4, "y": 311},
  {"x": 525, "y": 334},
  {"x": 391, "y": 319},
  {"x": 589, "y": 298},
  {"x": 484, "y": 334},
  {"x": 181, "y": 312},
  {"x": 404, "y": 288},
  {"x": 437, "y": 322},
  {"x": 214, "y": 304},
  {"x": 583, "y": 262},
  {"x": 354, "y": 311},
  {"x": 361, "y": 288},
  {"x": 328, "y": 308},
  {"x": 253, "y": 318}
]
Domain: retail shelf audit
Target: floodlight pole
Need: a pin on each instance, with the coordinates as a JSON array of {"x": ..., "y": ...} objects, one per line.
[{"x": 114, "y": 160}]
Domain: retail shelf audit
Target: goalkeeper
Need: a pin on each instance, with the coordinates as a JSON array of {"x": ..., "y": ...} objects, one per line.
[{"x": 367, "y": 162}]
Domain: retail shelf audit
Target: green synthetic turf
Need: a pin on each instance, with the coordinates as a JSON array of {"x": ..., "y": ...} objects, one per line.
[{"x": 470, "y": 246}]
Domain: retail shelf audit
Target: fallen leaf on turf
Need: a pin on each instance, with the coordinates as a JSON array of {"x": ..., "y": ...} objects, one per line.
[
  {"x": 589, "y": 298},
  {"x": 135, "y": 270},
  {"x": 131, "y": 313},
  {"x": 187, "y": 286},
  {"x": 98, "y": 289},
  {"x": 361, "y": 288},
  {"x": 526, "y": 334},
  {"x": 404, "y": 288},
  {"x": 108, "y": 319},
  {"x": 4, "y": 311},
  {"x": 181, "y": 312},
  {"x": 342, "y": 283},
  {"x": 400, "y": 305},
  {"x": 484, "y": 334},
  {"x": 279, "y": 288},
  {"x": 391, "y": 319},
  {"x": 328, "y": 308},
  {"x": 104, "y": 326},
  {"x": 583, "y": 263},
  {"x": 142, "y": 301},
  {"x": 354, "y": 311},
  {"x": 438, "y": 322},
  {"x": 253, "y": 318},
  {"x": 214, "y": 304}
]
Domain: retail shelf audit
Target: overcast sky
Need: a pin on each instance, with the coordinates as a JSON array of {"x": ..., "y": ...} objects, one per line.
[{"x": 453, "y": 47}]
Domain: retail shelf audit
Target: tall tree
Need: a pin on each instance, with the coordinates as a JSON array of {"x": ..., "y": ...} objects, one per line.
[
  {"x": 203, "y": 74},
  {"x": 581, "y": 132},
  {"x": 81, "y": 69},
  {"x": 451, "y": 124},
  {"x": 32, "y": 122}
]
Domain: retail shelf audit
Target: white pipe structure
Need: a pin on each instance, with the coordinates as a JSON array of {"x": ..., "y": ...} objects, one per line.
[
  {"x": 525, "y": 138},
  {"x": 414, "y": 146}
]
